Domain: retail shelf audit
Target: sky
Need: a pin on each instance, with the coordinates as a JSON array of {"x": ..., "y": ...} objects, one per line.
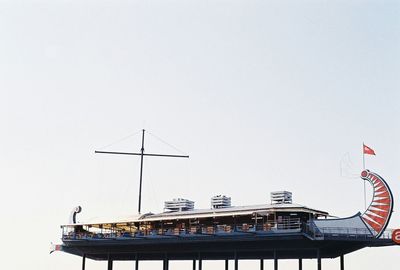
[{"x": 263, "y": 96}]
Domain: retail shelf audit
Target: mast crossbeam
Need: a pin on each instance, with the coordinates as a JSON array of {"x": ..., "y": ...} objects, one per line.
[{"x": 141, "y": 154}]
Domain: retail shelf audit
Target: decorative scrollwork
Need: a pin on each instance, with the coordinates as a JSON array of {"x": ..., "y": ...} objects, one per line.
[
  {"x": 379, "y": 212},
  {"x": 72, "y": 217}
]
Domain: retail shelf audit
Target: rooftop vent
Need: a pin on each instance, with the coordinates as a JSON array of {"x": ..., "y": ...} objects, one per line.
[
  {"x": 179, "y": 204},
  {"x": 279, "y": 197},
  {"x": 220, "y": 201}
]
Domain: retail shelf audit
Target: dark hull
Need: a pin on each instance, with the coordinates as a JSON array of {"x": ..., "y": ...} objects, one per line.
[{"x": 285, "y": 246}]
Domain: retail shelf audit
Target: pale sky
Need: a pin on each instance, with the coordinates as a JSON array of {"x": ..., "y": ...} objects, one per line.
[{"x": 263, "y": 96}]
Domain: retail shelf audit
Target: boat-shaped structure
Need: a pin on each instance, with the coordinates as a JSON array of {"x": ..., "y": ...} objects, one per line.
[{"x": 279, "y": 230}]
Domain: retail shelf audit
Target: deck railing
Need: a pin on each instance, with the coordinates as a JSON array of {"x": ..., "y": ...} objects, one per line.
[
  {"x": 339, "y": 232},
  {"x": 387, "y": 234},
  {"x": 288, "y": 225}
]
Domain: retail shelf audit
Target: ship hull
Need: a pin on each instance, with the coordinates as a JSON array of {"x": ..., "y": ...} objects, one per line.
[{"x": 288, "y": 246}]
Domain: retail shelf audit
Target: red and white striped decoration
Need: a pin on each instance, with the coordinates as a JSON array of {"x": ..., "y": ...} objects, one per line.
[{"x": 378, "y": 214}]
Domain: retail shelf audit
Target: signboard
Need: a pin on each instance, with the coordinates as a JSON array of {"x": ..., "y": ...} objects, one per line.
[{"x": 396, "y": 236}]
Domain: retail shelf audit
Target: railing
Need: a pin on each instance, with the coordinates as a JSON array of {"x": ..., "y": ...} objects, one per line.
[
  {"x": 387, "y": 234},
  {"x": 339, "y": 232},
  {"x": 287, "y": 225}
]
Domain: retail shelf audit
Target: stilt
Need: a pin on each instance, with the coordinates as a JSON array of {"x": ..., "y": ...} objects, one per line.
[
  {"x": 226, "y": 264},
  {"x": 83, "y": 261},
  {"x": 261, "y": 264},
  {"x": 109, "y": 263},
  {"x": 200, "y": 263},
  {"x": 319, "y": 260},
  {"x": 236, "y": 261},
  {"x": 137, "y": 264},
  {"x": 341, "y": 262},
  {"x": 194, "y": 264},
  {"x": 275, "y": 261},
  {"x": 166, "y": 264},
  {"x": 300, "y": 264}
]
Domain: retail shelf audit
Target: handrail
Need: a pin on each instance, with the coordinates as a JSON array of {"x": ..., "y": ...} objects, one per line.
[
  {"x": 292, "y": 225},
  {"x": 387, "y": 234},
  {"x": 272, "y": 227},
  {"x": 341, "y": 232}
]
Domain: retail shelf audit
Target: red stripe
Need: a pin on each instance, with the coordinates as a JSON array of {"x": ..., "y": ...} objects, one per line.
[
  {"x": 383, "y": 194},
  {"x": 384, "y": 200},
  {"x": 377, "y": 219},
  {"x": 374, "y": 226},
  {"x": 382, "y": 207},
  {"x": 379, "y": 213}
]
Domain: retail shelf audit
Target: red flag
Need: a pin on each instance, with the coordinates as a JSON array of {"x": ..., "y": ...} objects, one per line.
[{"x": 368, "y": 151}]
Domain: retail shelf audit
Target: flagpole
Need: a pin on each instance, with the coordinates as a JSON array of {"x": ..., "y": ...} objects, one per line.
[
  {"x": 365, "y": 192},
  {"x": 363, "y": 157}
]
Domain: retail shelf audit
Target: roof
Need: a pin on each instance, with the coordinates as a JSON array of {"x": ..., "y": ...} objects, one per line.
[
  {"x": 234, "y": 210},
  {"x": 261, "y": 209}
]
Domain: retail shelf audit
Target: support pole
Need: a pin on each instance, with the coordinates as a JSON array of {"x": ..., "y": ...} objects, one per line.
[
  {"x": 109, "y": 263},
  {"x": 166, "y": 263},
  {"x": 261, "y": 264},
  {"x": 141, "y": 154},
  {"x": 275, "y": 261},
  {"x": 365, "y": 191},
  {"x": 141, "y": 173},
  {"x": 83, "y": 261},
  {"x": 236, "y": 261},
  {"x": 137, "y": 264},
  {"x": 363, "y": 157},
  {"x": 341, "y": 262},
  {"x": 200, "y": 263},
  {"x": 194, "y": 264},
  {"x": 226, "y": 264},
  {"x": 300, "y": 264},
  {"x": 319, "y": 263}
]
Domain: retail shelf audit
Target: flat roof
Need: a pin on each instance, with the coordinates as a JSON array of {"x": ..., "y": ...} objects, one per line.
[
  {"x": 262, "y": 209},
  {"x": 234, "y": 210}
]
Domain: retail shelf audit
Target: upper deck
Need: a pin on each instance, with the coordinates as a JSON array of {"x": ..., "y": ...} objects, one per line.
[{"x": 270, "y": 218}]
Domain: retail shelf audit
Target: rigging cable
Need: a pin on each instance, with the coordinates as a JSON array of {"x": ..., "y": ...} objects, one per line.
[
  {"x": 120, "y": 140},
  {"x": 180, "y": 151},
  {"x": 170, "y": 145}
]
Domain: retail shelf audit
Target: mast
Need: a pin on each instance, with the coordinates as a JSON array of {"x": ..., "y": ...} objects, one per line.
[
  {"x": 141, "y": 173},
  {"x": 141, "y": 154}
]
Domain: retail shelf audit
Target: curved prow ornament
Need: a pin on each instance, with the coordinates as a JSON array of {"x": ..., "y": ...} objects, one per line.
[
  {"x": 72, "y": 217},
  {"x": 377, "y": 215}
]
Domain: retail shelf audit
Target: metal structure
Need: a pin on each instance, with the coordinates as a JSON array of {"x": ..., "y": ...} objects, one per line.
[
  {"x": 280, "y": 230},
  {"x": 220, "y": 201},
  {"x": 141, "y": 154},
  {"x": 179, "y": 204},
  {"x": 281, "y": 197},
  {"x": 377, "y": 215}
]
